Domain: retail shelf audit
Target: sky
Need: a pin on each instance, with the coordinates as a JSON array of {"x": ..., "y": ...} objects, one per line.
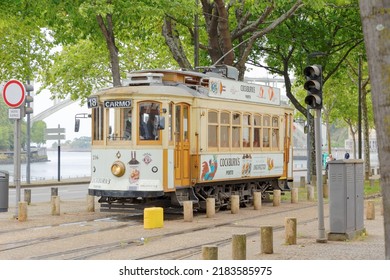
[{"x": 64, "y": 117}]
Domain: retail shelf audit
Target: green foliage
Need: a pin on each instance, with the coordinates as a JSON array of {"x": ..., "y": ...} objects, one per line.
[
  {"x": 6, "y": 128},
  {"x": 38, "y": 132},
  {"x": 24, "y": 46}
]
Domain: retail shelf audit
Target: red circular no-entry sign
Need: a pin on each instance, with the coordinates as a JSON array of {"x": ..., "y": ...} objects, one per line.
[{"x": 14, "y": 93}]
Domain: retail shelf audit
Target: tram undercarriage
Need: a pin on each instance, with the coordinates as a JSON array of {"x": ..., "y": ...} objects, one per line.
[{"x": 220, "y": 191}]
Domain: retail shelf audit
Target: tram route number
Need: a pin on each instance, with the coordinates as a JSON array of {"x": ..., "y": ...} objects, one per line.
[{"x": 93, "y": 102}]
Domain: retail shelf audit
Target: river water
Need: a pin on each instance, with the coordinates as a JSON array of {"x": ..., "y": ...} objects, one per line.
[
  {"x": 72, "y": 165},
  {"x": 78, "y": 165}
]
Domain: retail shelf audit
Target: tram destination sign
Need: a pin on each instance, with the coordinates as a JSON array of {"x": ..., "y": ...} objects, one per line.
[{"x": 117, "y": 103}]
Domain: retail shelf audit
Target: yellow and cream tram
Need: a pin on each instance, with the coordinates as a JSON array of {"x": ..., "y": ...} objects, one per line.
[{"x": 170, "y": 136}]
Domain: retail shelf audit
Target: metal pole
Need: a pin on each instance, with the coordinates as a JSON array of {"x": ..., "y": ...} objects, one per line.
[
  {"x": 59, "y": 154},
  {"x": 28, "y": 173},
  {"x": 17, "y": 163},
  {"x": 360, "y": 108},
  {"x": 321, "y": 227},
  {"x": 308, "y": 148}
]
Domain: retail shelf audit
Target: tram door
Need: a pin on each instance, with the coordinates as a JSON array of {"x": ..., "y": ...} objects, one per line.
[{"x": 182, "y": 145}]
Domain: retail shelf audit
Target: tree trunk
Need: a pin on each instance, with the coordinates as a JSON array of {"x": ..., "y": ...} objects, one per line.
[
  {"x": 108, "y": 33},
  {"x": 375, "y": 16}
]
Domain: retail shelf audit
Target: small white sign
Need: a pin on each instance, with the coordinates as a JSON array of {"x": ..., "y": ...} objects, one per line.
[{"x": 14, "y": 114}]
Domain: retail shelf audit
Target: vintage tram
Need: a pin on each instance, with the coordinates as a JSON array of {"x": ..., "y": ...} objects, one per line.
[{"x": 168, "y": 136}]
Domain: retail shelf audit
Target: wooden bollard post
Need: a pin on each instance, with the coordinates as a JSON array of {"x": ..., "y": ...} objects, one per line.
[
  {"x": 209, "y": 252},
  {"x": 325, "y": 190},
  {"x": 302, "y": 182},
  {"x": 370, "y": 211},
  {"x": 310, "y": 192},
  {"x": 277, "y": 197},
  {"x": 314, "y": 180},
  {"x": 90, "y": 203},
  {"x": 235, "y": 203},
  {"x": 290, "y": 225},
  {"x": 210, "y": 207},
  {"x": 27, "y": 196},
  {"x": 188, "y": 211},
  {"x": 22, "y": 211},
  {"x": 54, "y": 191},
  {"x": 324, "y": 178},
  {"x": 55, "y": 205},
  {"x": 266, "y": 237},
  {"x": 257, "y": 200},
  {"x": 239, "y": 247},
  {"x": 294, "y": 195}
]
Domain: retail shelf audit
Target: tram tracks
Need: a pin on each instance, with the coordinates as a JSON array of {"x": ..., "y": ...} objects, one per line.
[{"x": 88, "y": 250}]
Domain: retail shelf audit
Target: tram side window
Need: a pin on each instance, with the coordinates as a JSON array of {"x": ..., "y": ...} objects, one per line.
[
  {"x": 225, "y": 127},
  {"x": 246, "y": 130},
  {"x": 266, "y": 131},
  {"x": 275, "y": 133},
  {"x": 236, "y": 126},
  {"x": 148, "y": 120},
  {"x": 212, "y": 129},
  {"x": 257, "y": 131},
  {"x": 98, "y": 121}
]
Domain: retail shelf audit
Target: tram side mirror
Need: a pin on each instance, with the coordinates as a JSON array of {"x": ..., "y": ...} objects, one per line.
[
  {"x": 76, "y": 125},
  {"x": 161, "y": 122}
]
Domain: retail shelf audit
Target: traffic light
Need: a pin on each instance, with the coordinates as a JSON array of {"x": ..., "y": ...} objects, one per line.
[
  {"x": 28, "y": 99},
  {"x": 313, "y": 85}
]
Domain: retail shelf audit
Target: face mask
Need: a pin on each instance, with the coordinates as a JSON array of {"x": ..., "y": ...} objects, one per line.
[{"x": 129, "y": 119}]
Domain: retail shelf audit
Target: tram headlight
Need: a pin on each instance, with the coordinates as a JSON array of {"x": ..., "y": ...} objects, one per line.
[{"x": 118, "y": 168}]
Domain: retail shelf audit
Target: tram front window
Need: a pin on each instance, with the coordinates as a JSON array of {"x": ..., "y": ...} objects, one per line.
[{"x": 120, "y": 124}]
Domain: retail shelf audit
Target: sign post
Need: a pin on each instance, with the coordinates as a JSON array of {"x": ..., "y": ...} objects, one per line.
[
  {"x": 56, "y": 134},
  {"x": 14, "y": 94}
]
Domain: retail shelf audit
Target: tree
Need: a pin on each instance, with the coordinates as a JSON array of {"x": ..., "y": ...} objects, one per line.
[
  {"x": 38, "y": 132},
  {"x": 375, "y": 15},
  {"x": 101, "y": 41},
  {"x": 24, "y": 46},
  {"x": 228, "y": 25},
  {"x": 324, "y": 35}
]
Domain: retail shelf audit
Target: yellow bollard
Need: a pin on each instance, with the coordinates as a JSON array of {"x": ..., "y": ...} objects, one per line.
[{"x": 153, "y": 218}]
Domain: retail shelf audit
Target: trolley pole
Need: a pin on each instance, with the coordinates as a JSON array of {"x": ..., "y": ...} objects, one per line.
[{"x": 318, "y": 143}]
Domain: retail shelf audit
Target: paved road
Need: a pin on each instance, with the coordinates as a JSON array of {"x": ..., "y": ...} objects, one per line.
[{"x": 43, "y": 194}]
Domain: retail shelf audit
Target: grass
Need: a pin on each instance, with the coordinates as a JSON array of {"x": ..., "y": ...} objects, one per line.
[{"x": 370, "y": 189}]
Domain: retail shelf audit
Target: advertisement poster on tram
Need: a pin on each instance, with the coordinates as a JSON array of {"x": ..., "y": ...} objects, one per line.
[{"x": 232, "y": 166}]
